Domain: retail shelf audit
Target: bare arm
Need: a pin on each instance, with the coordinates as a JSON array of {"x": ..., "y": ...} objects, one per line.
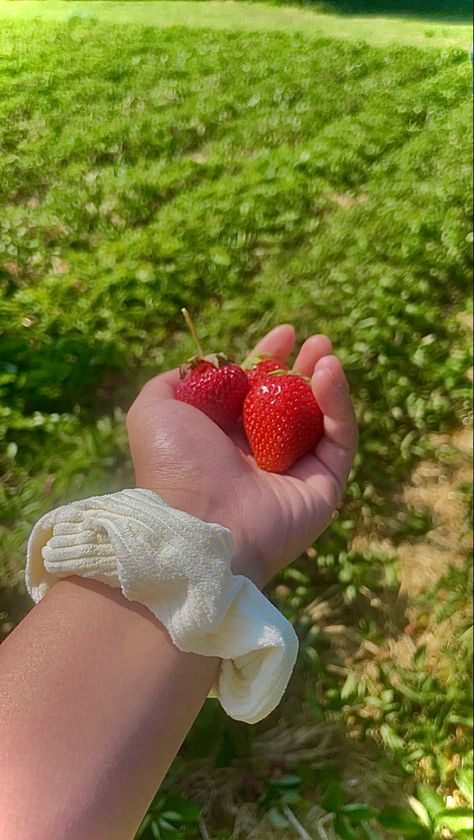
[{"x": 95, "y": 702}]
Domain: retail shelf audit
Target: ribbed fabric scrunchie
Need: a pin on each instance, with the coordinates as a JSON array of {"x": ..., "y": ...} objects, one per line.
[{"x": 180, "y": 568}]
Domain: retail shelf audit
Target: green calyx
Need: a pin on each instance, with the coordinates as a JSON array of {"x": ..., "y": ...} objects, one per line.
[
  {"x": 219, "y": 360},
  {"x": 288, "y": 373},
  {"x": 253, "y": 361}
]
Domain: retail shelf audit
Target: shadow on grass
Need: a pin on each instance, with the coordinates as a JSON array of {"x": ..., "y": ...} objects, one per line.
[{"x": 454, "y": 11}]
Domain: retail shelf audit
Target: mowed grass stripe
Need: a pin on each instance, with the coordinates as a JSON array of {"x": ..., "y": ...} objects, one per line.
[
  {"x": 183, "y": 107},
  {"x": 332, "y": 194},
  {"x": 273, "y": 131},
  {"x": 258, "y": 17}
]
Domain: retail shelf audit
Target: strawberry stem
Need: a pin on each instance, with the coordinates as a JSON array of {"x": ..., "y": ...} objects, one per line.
[{"x": 193, "y": 332}]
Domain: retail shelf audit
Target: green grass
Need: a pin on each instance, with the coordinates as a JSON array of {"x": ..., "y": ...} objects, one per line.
[
  {"x": 254, "y": 17},
  {"x": 254, "y": 178}
]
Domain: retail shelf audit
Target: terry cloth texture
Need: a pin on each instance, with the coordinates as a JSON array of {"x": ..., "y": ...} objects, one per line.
[{"x": 180, "y": 568}]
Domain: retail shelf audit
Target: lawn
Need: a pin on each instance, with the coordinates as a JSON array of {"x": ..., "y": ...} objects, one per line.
[
  {"x": 253, "y": 17},
  {"x": 292, "y": 173}
]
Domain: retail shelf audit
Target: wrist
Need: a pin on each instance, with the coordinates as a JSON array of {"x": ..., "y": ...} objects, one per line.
[
  {"x": 180, "y": 568},
  {"x": 202, "y": 505}
]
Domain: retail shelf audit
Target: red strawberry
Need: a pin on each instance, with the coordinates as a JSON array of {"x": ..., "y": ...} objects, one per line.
[
  {"x": 213, "y": 384},
  {"x": 260, "y": 366},
  {"x": 282, "y": 421},
  {"x": 218, "y": 390}
]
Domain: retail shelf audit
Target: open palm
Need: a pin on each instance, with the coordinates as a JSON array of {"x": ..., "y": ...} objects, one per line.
[{"x": 191, "y": 463}]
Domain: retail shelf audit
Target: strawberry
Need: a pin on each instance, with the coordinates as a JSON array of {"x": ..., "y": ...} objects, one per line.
[
  {"x": 213, "y": 384},
  {"x": 259, "y": 366},
  {"x": 218, "y": 389},
  {"x": 282, "y": 421}
]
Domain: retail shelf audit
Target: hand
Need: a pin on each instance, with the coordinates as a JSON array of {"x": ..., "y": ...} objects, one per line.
[{"x": 191, "y": 463}]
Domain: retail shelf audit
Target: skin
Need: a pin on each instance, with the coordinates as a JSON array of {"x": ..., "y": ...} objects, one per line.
[
  {"x": 95, "y": 700},
  {"x": 298, "y": 505}
]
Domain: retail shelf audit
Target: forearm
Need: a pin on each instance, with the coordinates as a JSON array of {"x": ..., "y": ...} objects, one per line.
[{"x": 95, "y": 702}]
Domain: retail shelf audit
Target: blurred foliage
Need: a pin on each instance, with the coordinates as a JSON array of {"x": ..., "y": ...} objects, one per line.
[{"x": 254, "y": 179}]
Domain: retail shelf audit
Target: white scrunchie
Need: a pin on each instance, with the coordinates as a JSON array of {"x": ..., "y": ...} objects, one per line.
[{"x": 180, "y": 568}]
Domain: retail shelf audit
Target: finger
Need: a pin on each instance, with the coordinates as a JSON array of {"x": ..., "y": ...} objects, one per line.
[
  {"x": 313, "y": 349},
  {"x": 331, "y": 391},
  {"x": 161, "y": 387},
  {"x": 278, "y": 343},
  {"x": 337, "y": 447}
]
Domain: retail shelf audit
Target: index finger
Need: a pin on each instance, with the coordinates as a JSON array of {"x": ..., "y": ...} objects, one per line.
[
  {"x": 278, "y": 343},
  {"x": 337, "y": 447},
  {"x": 161, "y": 387}
]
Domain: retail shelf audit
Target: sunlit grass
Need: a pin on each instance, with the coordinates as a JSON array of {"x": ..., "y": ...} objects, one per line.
[
  {"x": 248, "y": 17},
  {"x": 257, "y": 177}
]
